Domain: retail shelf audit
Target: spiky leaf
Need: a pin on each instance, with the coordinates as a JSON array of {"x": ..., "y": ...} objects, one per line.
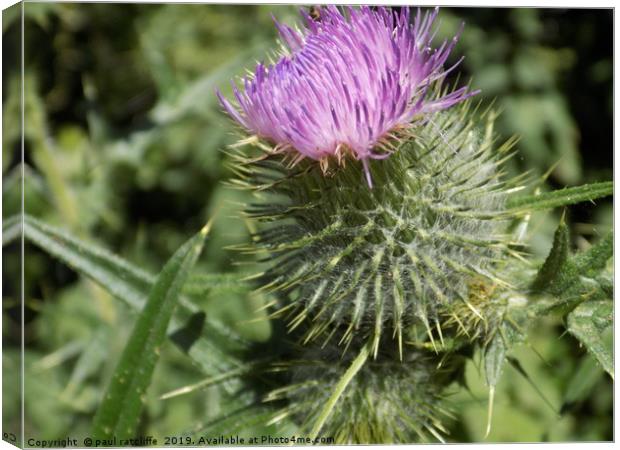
[
  {"x": 551, "y": 275},
  {"x": 212, "y": 350},
  {"x": 563, "y": 197},
  {"x": 592, "y": 323},
  {"x": 494, "y": 358},
  {"x": 592, "y": 261},
  {"x": 565, "y": 281},
  {"x": 508, "y": 332}
]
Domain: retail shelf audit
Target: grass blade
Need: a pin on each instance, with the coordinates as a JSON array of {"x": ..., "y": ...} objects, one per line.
[{"x": 120, "y": 410}]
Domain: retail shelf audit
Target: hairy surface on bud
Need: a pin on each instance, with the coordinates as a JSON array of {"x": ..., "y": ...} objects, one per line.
[
  {"x": 388, "y": 401},
  {"x": 351, "y": 260}
]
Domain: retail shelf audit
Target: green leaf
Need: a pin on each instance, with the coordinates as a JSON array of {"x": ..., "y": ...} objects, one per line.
[
  {"x": 11, "y": 229},
  {"x": 571, "y": 280},
  {"x": 592, "y": 323},
  {"x": 494, "y": 357},
  {"x": 593, "y": 260},
  {"x": 555, "y": 262},
  {"x": 120, "y": 410},
  {"x": 584, "y": 379},
  {"x": 563, "y": 197},
  {"x": 213, "y": 351},
  {"x": 116, "y": 275}
]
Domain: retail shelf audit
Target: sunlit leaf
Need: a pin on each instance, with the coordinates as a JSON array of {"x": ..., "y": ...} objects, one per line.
[
  {"x": 593, "y": 260},
  {"x": 562, "y": 197},
  {"x": 119, "y": 413},
  {"x": 569, "y": 280},
  {"x": 212, "y": 351},
  {"x": 592, "y": 323}
]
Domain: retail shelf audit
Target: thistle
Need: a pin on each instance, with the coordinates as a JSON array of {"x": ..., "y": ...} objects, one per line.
[
  {"x": 410, "y": 229},
  {"x": 353, "y": 260},
  {"x": 345, "y": 86},
  {"x": 388, "y": 401},
  {"x": 387, "y": 234},
  {"x": 350, "y": 259}
]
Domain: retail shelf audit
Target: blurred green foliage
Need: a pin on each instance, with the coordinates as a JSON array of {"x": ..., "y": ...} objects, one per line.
[{"x": 124, "y": 146}]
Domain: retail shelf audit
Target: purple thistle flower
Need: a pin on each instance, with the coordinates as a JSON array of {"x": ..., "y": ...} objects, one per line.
[{"x": 347, "y": 84}]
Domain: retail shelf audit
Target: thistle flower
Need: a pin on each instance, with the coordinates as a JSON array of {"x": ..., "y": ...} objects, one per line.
[
  {"x": 352, "y": 262},
  {"x": 346, "y": 85}
]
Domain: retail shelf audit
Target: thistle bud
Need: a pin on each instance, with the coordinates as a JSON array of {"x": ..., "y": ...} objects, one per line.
[
  {"x": 351, "y": 260},
  {"x": 388, "y": 401},
  {"x": 365, "y": 89}
]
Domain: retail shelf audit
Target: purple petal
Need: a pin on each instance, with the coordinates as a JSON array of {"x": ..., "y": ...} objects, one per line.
[{"x": 351, "y": 78}]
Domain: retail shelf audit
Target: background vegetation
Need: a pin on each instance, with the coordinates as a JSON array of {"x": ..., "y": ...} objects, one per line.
[{"x": 124, "y": 143}]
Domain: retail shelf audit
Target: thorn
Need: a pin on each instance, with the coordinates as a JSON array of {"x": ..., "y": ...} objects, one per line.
[
  {"x": 430, "y": 333},
  {"x": 205, "y": 230},
  {"x": 266, "y": 306},
  {"x": 250, "y": 140},
  {"x": 458, "y": 321},
  {"x": 436, "y": 434},
  {"x": 253, "y": 277},
  {"x": 490, "y": 411},
  {"x": 443, "y": 344},
  {"x": 474, "y": 310},
  {"x": 563, "y": 217}
]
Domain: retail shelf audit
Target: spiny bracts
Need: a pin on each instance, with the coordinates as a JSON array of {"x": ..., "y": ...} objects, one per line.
[
  {"x": 388, "y": 401},
  {"x": 352, "y": 261}
]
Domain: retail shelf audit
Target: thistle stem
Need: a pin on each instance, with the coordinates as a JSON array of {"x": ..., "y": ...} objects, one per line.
[{"x": 355, "y": 367}]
